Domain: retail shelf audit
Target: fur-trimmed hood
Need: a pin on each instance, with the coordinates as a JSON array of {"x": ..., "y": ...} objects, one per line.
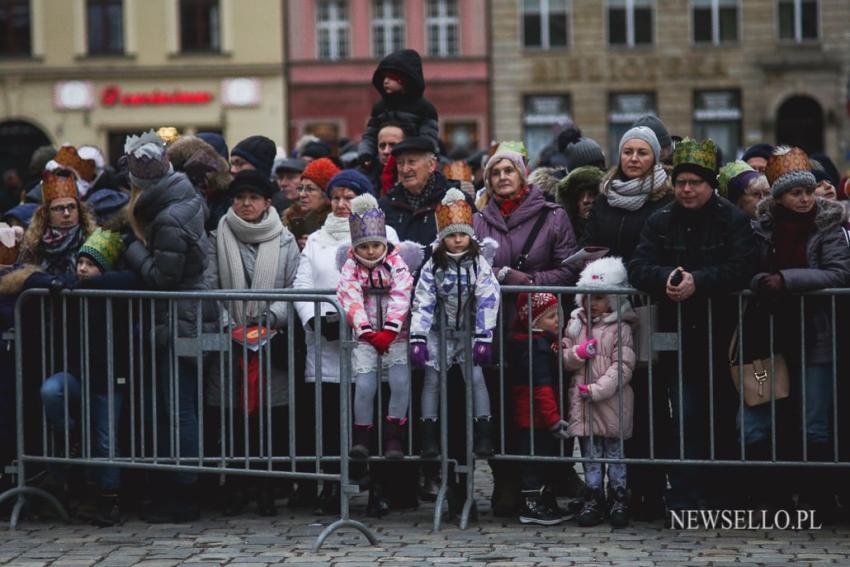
[
  {"x": 207, "y": 163},
  {"x": 829, "y": 214},
  {"x": 546, "y": 179},
  {"x": 580, "y": 179},
  {"x": 12, "y": 282}
]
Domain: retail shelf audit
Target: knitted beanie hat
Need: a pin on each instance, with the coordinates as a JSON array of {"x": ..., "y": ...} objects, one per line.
[
  {"x": 788, "y": 168},
  {"x": 367, "y": 221},
  {"x": 734, "y": 178},
  {"x": 513, "y": 157},
  {"x": 320, "y": 171},
  {"x": 254, "y": 181},
  {"x": 454, "y": 214},
  {"x": 584, "y": 152},
  {"x": 699, "y": 158},
  {"x": 541, "y": 304},
  {"x": 656, "y": 125},
  {"x": 147, "y": 160},
  {"x": 762, "y": 150},
  {"x": 104, "y": 247},
  {"x": 641, "y": 133},
  {"x": 259, "y": 151},
  {"x": 350, "y": 179}
]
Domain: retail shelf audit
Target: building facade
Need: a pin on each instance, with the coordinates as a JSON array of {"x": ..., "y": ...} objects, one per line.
[
  {"x": 738, "y": 72},
  {"x": 335, "y": 45},
  {"x": 91, "y": 71}
]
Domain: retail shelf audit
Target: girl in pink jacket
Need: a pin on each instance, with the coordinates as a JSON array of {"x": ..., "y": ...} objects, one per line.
[
  {"x": 599, "y": 350},
  {"x": 377, "y": 321}
]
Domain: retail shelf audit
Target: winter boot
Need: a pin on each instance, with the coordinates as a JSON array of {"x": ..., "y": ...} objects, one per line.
[
  {"x": 535, "y": 511},
  {"x": 394, "y": 438},
  {"x": 362, "y": 437},
  {"x": 107, "y": 512},
  {"x": 328, "y": 500},
  {"x": 378, "y": 505},
  {"x": 265, "y": 499},
  {"x": 593, "y": 511},
  {"x": 618, "y": 510},
  {"x": 551, "y": 501},
  {"x": 482, "y": 437},
  {"x": 429, "y": 430}
]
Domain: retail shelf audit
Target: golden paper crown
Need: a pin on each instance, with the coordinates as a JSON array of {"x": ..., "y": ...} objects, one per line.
[
  {"x": 458, "y": 170},
  {"x": 57, "y": 187},
  {"x": 785, "y": 160},
  {"x": 454, "y": 214},
  {"x": 68, "y": 158}
]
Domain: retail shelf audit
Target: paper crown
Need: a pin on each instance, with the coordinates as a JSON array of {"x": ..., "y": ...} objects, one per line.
[
  {"x": 454, "y": 215},
  {"x": 146, "y": 157},
  {"x": 458, "y": 170},
  {"x": 513, "y": 146},
  {"x": 729, "y": 172},
  {"x": 104, "y": 247},
  {"x": 68, "y": 158},
  {"x": 367, "y": 221},
  {"x": 168, "y": 134},
  {"x": 702, "y": 154},
  {"x": 57, "y": 187},
  {"x": 788, "y": 163}
]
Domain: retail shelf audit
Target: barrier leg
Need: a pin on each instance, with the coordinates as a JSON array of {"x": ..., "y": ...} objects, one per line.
[
  {"x": 22, "y": 492},
  {"x": 344, "y": 523}
]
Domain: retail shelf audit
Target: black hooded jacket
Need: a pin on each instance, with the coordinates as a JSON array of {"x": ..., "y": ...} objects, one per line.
[{"x": 409, "y": 109}]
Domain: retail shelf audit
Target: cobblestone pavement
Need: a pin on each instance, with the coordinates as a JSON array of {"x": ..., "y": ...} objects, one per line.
[{"x": 405, "y": 539}]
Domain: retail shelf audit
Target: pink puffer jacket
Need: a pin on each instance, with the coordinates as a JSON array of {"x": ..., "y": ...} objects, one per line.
[{"x": 604, "y": 406}]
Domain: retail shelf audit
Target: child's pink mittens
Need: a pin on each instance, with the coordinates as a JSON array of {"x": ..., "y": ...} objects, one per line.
[
  {"x": 586, "y": 350},
  {"x": 584, "y": 391}
]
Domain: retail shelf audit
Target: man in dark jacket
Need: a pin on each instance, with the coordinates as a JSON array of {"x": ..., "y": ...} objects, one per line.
[
  {"x": 410, "y": 205},
  {"x": 692, "y": 254}
]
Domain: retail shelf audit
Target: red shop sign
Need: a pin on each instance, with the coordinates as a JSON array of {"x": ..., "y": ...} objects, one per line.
[{"x": 112, "y": 96}]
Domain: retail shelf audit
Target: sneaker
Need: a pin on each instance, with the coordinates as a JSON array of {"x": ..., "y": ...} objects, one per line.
[
  {"x": 482, "y": 437},
  {"x": 535, "y": 511},
  {"x": 618, "y": 512},
  {"x": 593, "y": 508}
]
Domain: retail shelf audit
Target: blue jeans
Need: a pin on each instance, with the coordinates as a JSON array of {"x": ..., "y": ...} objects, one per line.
[
  {"x": 818, "y": 410},
  {"x": 186, "y": 414},
  {"x": 53, "y": 398}
]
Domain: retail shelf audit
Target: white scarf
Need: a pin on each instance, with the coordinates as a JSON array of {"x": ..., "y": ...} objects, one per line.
[
  {"x": 369, "y": 263},
  {"x": 632, "y": 194},
  {"x": 231, "y": 231},
  {"x": 335, "y": 231}
]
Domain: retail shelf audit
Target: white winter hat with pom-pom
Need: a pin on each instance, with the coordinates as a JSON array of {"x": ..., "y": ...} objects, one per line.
[
  {"x": 454, "y": 214},
  {"x": 367, "y": 221},
  {"x": 602, "y": 273}
]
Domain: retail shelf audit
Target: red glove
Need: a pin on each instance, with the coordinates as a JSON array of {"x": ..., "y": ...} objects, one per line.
[
  {"x": 382, "y": 340},
  {"x": 368, "y": 336}
]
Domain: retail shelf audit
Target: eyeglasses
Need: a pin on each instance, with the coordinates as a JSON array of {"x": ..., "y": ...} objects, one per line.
[
  {"x": 59, "y": 209},
  {"x": 306, "y": 189},
  {"x": 682, "y": 183}
]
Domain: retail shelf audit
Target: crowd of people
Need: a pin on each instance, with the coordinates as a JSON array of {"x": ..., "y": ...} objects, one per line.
[{"x": 438, "y": 241}]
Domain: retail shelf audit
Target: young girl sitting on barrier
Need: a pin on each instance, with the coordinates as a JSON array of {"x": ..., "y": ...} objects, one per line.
[
  {"x": 455, "y": 282},
  {"x": 599, "y": 349},
  {"x": 377, "y": 321}
]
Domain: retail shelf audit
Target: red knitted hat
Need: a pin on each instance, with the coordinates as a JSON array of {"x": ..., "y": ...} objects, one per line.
[
  {"x": 541, "y": 303},
  {"x": 320, "y": 171}
]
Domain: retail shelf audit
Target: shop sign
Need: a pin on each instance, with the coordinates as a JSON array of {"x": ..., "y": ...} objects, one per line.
[{"x": 113, "y": 96}]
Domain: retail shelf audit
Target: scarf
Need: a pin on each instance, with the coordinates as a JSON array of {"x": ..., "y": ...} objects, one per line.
[
  {"x": 632, "y": 194},
  {"x": 369, "y": 263},
  {"x": 790, "y": 237},
  {"x": 59, "y": 248},
  {"x": 415, "y": 201},
  {"x": 232, "y": 231},
  {"x": 509, "y": 205},
  {"x": 334, "y": 232}
]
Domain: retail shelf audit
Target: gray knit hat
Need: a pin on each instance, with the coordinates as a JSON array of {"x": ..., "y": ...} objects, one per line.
[
  {"x": 656, "y": 125},
  {"x": 583, "y": 152},
  {"x": 641, "y": 133}
]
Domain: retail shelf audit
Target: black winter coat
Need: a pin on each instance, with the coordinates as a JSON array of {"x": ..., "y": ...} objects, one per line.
[
  {"x": 618, "y": 229},
  {"x": 416, "y": 115}
]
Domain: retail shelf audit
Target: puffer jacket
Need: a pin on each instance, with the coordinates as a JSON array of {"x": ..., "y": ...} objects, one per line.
[
  {"x": 452, "y": 291},
  {"x": 362, "y": 309},
  {"x": 171, "y": 214},
  {"x": 828, "y": 258},
  {"x": 615, "y": 356},
  {"x": 543, "y": 383},
  {"x": 409, "y": 109}
]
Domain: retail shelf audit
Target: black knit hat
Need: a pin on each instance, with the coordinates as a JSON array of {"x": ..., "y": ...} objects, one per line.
[
  {"x": 315, "y": 150},
  {"x": 584, "y": 152},
  {"x": 254, "y": 181},
  {"x": 657, "y": 126},
  {"x": 758, "y": 150},
  {"x": 259, "y": 151}
]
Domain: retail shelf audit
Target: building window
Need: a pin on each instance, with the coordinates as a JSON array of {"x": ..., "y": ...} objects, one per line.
[
  {"x": 200, "y": 23},
  {"x": 623, "y": 110},
  {"x": 441, "y": 23},
  {"x": 332, "y": 29},
  {"x": 15, "y": 27},
  {"x": 798, "y": 20},
  {"x": 715, "y": 21},
  {"x": 629, "y": 22},
  {"x": 387, "y": 26},
  {"x": 717, "y": 115},
  {"x": 460, "y": 135},
  {"x": 542, "y": 118},
  {"x": 545, "y": 23},
  {"x": 105, "y": 26}
]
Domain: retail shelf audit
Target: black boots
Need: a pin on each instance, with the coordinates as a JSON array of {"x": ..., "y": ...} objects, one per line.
[
  {"x": 429, "y": 430},
  {"x": 394, "y": 438},
  {"x": 535, "y": 510},
  {"x": 107, "y": 511},
  {"x": 482, "y": 437},
  {"x": 618, "y": 508},
  {"x": 593, "y": 511},
  {"x": 362, "y": 441}
]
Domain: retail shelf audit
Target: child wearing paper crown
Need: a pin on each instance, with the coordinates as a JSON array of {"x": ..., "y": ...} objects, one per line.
[
  {"x": 456, "y": 281},
  {"x": 603, "y": 341},
  {"x": 377, "y": 321}
]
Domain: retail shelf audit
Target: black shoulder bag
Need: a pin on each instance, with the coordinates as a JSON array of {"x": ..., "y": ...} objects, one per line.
[{"x": 529, "y": 242}]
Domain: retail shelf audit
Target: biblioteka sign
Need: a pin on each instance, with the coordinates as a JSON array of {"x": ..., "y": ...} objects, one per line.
[{"x": 113, "y": 96}]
